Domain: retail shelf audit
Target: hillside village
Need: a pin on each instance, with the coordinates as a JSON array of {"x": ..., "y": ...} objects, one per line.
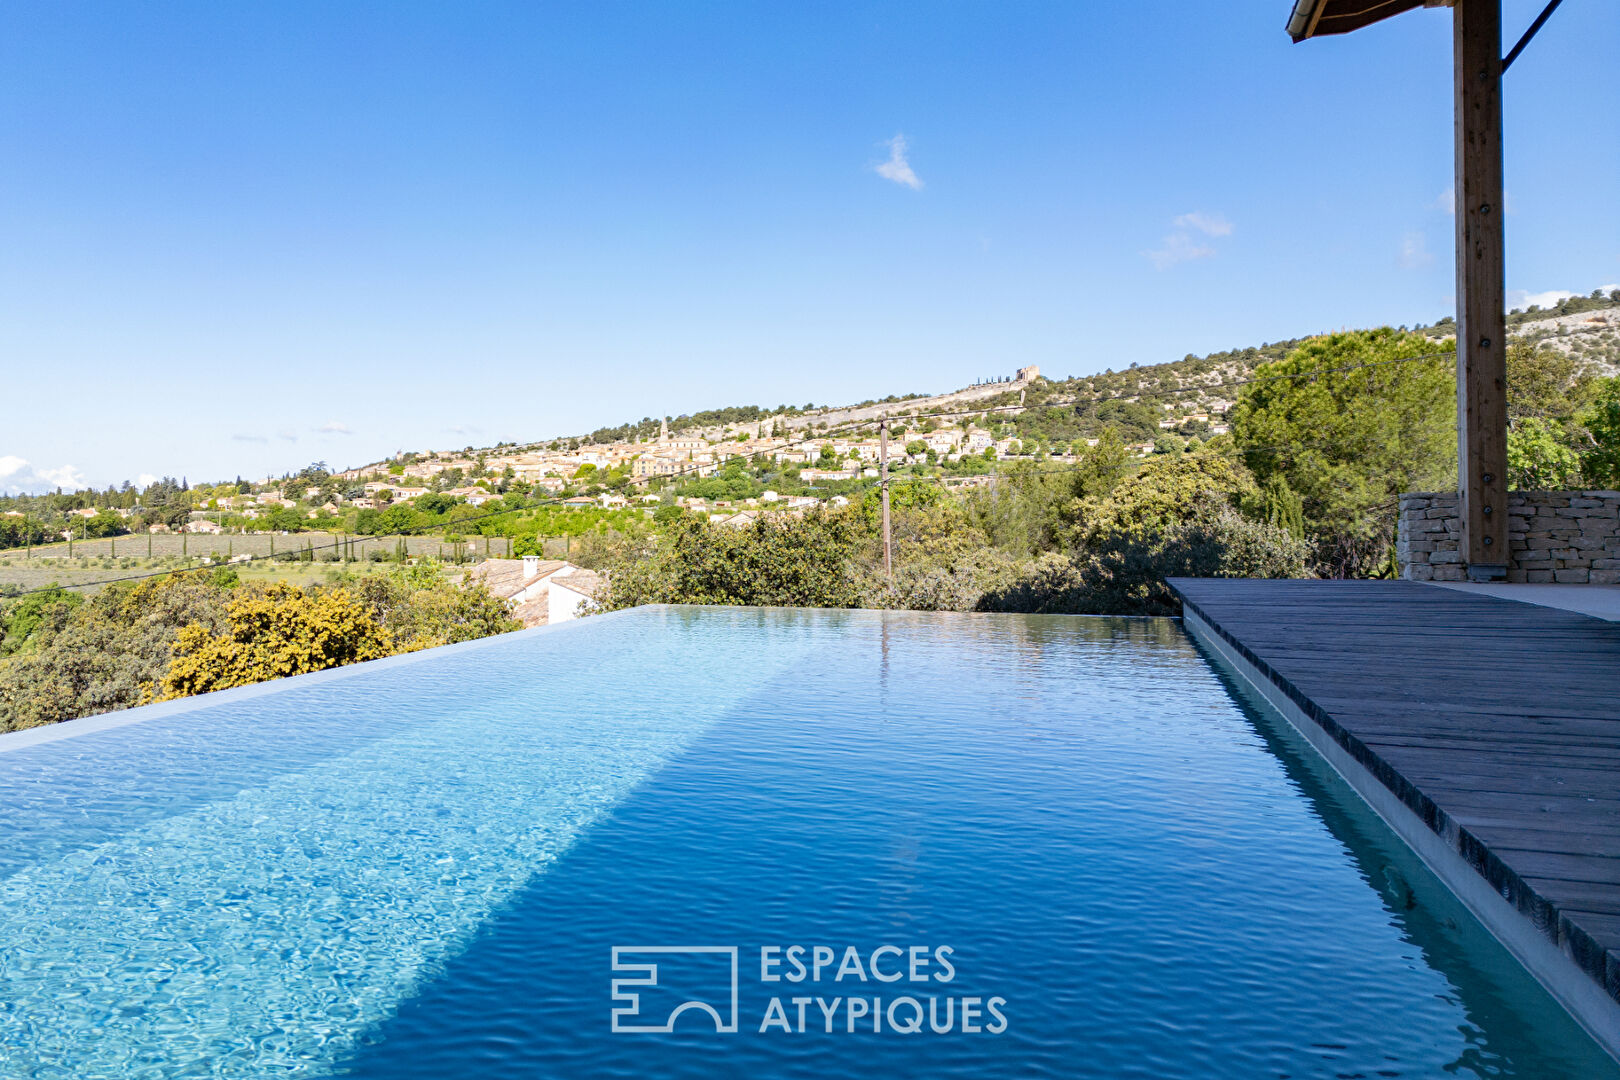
[{"x": 738, "y": 462}]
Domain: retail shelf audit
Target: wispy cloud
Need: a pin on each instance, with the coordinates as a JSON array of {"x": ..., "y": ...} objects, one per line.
[
  {"x": 290, "y": 436},
  {"x": 18, "y": 477},
  {"x": 463, "y": 429},
  {"x": 1189, "y": 238},
  {"x": 1208, "y": 224},
  {"x": 239, "y": 437},
  {"x": 897, "y": 168},
  {"x": 1415, "y": 251},
  {"x": 1519, "y": 299},
  {"x": 334, "y": 427}
]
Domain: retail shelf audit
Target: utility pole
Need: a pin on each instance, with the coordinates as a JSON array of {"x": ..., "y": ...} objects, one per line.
[{"x": 883, "y": 483}]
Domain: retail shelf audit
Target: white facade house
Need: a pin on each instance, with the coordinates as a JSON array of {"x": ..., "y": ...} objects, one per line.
[
  {"x": 539, "y": 591},
  {"x": 570, "y": 595}
]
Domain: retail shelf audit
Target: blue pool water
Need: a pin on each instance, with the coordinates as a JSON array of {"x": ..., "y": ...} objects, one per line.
[{"x": 423, "y": 868}]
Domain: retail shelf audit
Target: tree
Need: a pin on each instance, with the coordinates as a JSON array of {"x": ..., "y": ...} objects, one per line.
[
  {"x": 1540, "y": 457},
  {"x": 1163, "y": 493},
  {"x": 1350, "y": 421},
  {"x": 1281, "y": 506},
  {"x": 1103, "y": 466},
  {"x": 776, "y": 561},
  {"x": 1124, "y": 573},
  {"x": 1550, "y": 384},
  {"x": 1168, "y": 444},
  {"x": 273, "y": 631},
  {"x": 1600, "y": 464},
  {"x": 98, "y": 655},
  {"x": 105, "y": 523},
  {"x": 20, "y": 620}
]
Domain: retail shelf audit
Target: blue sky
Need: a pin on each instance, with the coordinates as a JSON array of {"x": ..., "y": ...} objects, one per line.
[{"x": 236, "y": 238}]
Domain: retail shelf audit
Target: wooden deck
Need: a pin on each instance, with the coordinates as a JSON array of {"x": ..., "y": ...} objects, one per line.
[{"x": 1496, "y": 723}]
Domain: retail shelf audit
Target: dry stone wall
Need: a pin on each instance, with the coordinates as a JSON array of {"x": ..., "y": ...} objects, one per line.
[{"x": 1571, "y": 537}]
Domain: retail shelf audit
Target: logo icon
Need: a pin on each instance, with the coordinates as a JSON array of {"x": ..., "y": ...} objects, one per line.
[{"x": 681, "y": 978}]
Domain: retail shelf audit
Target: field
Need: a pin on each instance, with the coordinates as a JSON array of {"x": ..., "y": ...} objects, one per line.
[
  {"x": 95, "y": 561},
  {"x": 17, "y": 575},
  {"x": 258, "y": 545}
]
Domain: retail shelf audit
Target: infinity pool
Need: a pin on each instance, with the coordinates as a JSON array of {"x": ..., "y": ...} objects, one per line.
[{"x": 826, "y": 844}]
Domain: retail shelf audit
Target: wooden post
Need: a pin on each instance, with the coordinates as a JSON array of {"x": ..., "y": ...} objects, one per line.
[
  {"x": 883, "y": 483},
  {"x": 1481, "y": 289}
]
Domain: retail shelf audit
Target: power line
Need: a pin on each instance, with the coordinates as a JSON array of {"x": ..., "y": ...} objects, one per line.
[
  {"x": 626, "y": 482},
  {"x": 1169, "y": 390},
  {"x": 617, "y": 485}
]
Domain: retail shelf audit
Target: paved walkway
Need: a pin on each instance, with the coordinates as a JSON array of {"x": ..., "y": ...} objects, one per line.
[{"x": 1599, "y": 601}]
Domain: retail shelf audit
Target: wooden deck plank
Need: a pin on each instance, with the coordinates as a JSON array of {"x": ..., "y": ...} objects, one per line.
[{"x": 1496, "y": 722}]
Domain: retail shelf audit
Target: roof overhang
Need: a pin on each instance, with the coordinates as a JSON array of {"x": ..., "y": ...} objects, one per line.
[{"x": 1313, "y": 18}]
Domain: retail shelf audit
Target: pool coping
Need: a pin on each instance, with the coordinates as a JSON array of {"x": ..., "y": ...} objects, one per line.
[{"x": 1450, "y": 852}]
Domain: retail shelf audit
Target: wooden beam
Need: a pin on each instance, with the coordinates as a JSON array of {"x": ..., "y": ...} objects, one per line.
[{"x": 1481, "y": 288}]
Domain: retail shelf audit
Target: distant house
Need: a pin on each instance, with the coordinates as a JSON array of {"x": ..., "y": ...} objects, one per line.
[
  {"x": 516, "y": 580},
  {"x": 579, "y": 502},
  {"x": 655, "y": 465},
  {"x": 812, "y": 476},
  {"x": 611, "y": 501},
  {"x": 539, "y": 591},
  {"x": 203, "y": 525},
  {"x": 473, "y": 496},
  {"x": 742, "y": 519},
  {"x": 572, "y": 594}
]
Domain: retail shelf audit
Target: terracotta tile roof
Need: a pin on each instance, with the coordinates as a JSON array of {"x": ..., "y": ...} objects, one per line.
[
  {"x": 505, "y": 577},
  {"x": 584, "y": 582}
]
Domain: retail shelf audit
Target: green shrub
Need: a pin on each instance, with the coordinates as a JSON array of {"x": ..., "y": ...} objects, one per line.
[{"x": 1124, "y": 574}]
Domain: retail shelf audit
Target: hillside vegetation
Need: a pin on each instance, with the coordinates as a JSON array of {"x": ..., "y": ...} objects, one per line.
[{"x": 1282, "y": 461}]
